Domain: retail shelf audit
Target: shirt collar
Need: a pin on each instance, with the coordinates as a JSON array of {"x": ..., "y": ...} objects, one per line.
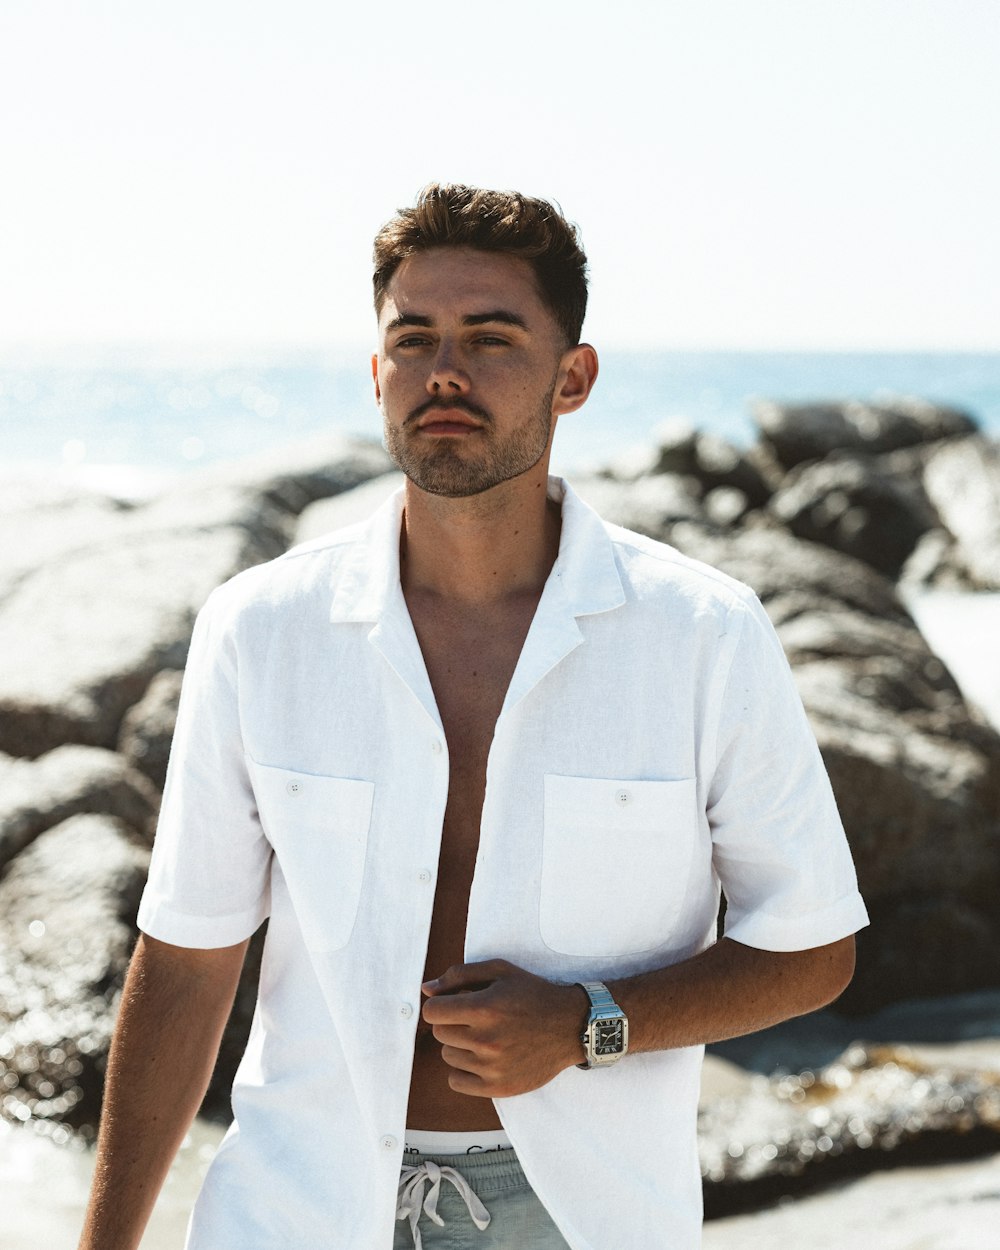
[
  {"x": 368, "y": 580},
  {"x": 585, "y": 567}
]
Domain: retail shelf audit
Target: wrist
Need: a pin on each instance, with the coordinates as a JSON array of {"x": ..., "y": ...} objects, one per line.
[{"x": 604, "y": 1036}]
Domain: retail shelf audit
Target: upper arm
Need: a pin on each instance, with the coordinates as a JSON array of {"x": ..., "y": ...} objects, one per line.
[
  {"x": 778, "y": 843},
  {"x": 209, "y": 876}
]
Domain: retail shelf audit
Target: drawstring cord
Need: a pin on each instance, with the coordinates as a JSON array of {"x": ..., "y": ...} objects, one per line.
[{"x": 410, "y": 1199}]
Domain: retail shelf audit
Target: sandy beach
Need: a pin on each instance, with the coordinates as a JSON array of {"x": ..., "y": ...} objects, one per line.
[
  {"x": 949, "y": 1207},
  {"x": 46, "y": 1186}
]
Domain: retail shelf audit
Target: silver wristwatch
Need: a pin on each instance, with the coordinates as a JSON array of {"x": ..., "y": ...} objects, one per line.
[{"x": 605, "y": 1033}]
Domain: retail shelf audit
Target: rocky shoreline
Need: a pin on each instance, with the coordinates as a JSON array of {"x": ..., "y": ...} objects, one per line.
[{"x": 834, "y": 513}]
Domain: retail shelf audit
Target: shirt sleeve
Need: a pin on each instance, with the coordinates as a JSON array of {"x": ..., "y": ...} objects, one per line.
[
  {"x": 779, "y": 847},
  {"x": 209, "y": 876}
]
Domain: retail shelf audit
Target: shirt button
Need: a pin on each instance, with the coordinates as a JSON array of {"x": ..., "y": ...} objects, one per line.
[
  {"x": 294, "y": 787},
  {"x": 388, "y": 1142},
  {"x": 623, "y": 797},
  {"x": 436, "y": 746},
  {"x": 424, "y": 875},
  {"x": 405, "y": 1010}
]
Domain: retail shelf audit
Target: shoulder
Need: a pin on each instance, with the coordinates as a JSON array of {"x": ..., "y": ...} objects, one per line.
[
  {"x": 656, "y": 572},
  {"x": 308, "y": 572},
  {"x": 697, "y": 613}
]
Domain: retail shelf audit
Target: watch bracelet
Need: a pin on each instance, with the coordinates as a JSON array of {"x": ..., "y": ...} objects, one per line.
[{"x": 602, "y": 1007}]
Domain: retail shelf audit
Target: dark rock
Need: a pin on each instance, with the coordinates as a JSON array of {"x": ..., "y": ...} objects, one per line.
[
  {"x": 37, "y": 794},
  {"x": 949, "y": 930},
  {"x": 962, "y": 479},
  {"x": 651, "y": 505},
  {"x": 67, "y": 929},
  {"x": 772, "y": 471},
  {"x": 295, "y": 476},
  {"x": 889, "y": 661},
  {"x": 674, "y": 442},
  {"x": 711, "y": 461},
  {"x": 91, "y": 628},
  {"x": 917, "y": 788},
  {"x": 935, "y": 563},
  {"x": 148, "y": 727},
  {"x": 90, "y": 631},
  {"x": 917, "y": 781},
  {"x": 67, "y": 908},
  {"x": 873, "y": 1107},
  {"x": 725, "y": 506},
  {"x": 851, "y": 503},
  {"x": 348, "y": 508},
  {"x": 790, "y": 575},
  {"x": 43, "y": 519},
  {"x": 798, "y": 432}
]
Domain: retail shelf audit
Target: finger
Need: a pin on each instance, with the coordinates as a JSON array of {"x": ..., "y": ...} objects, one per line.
[
  {"x": 462, "y": 1060},
  {"x": 467, "y": 1009},
  {"x": 468, "y": 1077},
  {"x": 469, "y": 1083},
  {"x": 467, "y": 977},
  {"x": 453, "y": 1009},
  {"x": 454, "y": 1035}
]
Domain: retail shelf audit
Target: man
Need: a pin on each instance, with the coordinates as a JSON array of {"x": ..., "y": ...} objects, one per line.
[{"x": 486, "y": 753}]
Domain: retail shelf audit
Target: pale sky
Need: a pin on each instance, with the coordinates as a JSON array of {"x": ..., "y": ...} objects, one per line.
[{"x": 746, "y": 173}]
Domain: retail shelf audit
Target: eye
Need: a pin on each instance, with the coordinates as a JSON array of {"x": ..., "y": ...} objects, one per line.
[
  {"x": 412, "y": 340},
  {"x": 491, "y": 340}
]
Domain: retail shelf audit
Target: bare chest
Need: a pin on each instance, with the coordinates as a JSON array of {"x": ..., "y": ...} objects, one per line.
[
  {"x": 470, "y": 665},
  {"x": 470, "y": 659}
]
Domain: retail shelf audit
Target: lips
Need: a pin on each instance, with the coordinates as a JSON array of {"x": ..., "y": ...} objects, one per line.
[
  {"x": 456, "y": 412},
  {"x": 447, "y": 421}
]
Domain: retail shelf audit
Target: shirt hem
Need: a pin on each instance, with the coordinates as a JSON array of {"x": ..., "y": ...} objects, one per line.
[
  {"x": 157, "y": 919},
  {"x": 817, "y": 928}
]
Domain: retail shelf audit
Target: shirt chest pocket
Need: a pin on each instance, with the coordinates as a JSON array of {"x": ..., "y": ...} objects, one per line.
[
  {"x": 318, "y": 827},
  {"x": 615, "y": 862}
]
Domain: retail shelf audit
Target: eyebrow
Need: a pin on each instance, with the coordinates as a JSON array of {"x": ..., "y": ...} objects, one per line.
[{"x": 501, "y": 315}]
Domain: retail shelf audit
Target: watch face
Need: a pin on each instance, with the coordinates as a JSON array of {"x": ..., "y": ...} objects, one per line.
[{"x": 608, "y": 1037}]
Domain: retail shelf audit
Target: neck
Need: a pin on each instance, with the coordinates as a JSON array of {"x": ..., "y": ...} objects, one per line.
[{"x": 481, "y": 549}]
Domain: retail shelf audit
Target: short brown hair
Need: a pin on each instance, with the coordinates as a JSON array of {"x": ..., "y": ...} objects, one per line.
[{"x": 451, "y": 215}]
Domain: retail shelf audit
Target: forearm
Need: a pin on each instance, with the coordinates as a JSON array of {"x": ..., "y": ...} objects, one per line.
[
  {"x": 506, "y": 1031},
  {"x": 174, "y": 1008},
  {"x": 729, "y": 990}
]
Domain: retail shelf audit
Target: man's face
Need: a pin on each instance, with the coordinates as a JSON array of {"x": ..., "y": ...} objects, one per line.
[{"x": 468, "y": 371}]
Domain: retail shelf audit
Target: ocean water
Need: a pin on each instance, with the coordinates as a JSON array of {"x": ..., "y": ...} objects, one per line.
[{"x": 156, "y": 413}]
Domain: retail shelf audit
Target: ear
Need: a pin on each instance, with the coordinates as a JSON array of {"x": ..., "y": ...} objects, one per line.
[
  {"x": 576, "y": 378},
  {"x": 378, "y": 391}
]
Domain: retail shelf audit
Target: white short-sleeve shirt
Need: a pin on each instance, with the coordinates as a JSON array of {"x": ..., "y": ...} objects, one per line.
[{"x": 651, "y": 745}]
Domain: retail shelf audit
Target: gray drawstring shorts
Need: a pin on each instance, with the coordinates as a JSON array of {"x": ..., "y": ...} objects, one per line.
[{"x": 470, "y": 1202}]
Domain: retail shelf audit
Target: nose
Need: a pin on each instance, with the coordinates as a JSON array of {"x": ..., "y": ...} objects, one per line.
[{"x": 447, "y": 374}]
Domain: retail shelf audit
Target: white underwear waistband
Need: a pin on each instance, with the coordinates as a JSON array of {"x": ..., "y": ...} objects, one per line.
[{"x": 419, "y": 1141}]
